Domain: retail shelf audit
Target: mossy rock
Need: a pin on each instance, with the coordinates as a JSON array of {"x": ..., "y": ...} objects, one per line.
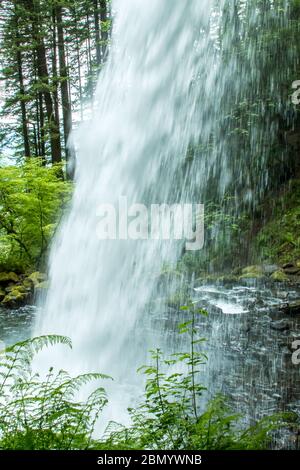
[
  {"x": 42, "y": 286},
  {"x": 17, "y": 287},
  {"x": 228, "y": 279},
  {"x": 5, "y": 278},
  {"x": 37, "y": 277},
  {"x": 27, "y": 283},
  {"x": 15, "y": 298},
  {"x": 252, "y": 277},
  {"x": 253, "y": 270},
  {"x": 208, "y": 278},
  {"x": 279, "y": 276}
]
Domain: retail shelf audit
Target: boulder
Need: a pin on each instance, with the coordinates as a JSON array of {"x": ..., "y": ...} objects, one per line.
[{"x": 15, "y": 298}]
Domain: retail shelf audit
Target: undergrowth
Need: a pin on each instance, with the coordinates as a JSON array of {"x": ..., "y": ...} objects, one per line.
[{"x": 44, "y": 413}]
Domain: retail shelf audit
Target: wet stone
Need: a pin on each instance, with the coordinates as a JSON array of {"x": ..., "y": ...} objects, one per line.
[{"x": 280, "y": 325}]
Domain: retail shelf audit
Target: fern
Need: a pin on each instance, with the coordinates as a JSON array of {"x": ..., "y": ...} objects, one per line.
[{"x": 43, "y": 414}]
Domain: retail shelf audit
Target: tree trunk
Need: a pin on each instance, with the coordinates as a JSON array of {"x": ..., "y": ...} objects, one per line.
[
  {"x": 104, "y": 31},
  {"x": 65, "y": 96},
  {"x": 43, "y": 75},
  {"x": 97, "y": 33},
  {"x": 21, "y": 88}
]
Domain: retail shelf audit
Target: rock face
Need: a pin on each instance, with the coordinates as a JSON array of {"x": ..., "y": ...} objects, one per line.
[{"x": 17, "y": 290}]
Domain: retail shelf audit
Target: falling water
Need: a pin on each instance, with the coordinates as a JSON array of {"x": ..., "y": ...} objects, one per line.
[
  {"x": 161, "y": 90},
  {"x": 144, "y": 120}
]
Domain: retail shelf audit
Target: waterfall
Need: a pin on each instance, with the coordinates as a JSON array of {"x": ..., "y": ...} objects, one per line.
[{"x": 160, "y": 91}]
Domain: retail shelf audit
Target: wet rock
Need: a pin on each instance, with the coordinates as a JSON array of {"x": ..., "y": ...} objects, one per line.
[
  {"x": 5, "y": 278},
  {"x": 291, "y": 308},
  {"x": 288, "y": 265},
  {"x": 41, "y": 287},
  {"x": 292, "y": 271},
  {"x": 253, "y": 270},
  {"x": 279, "y": 276},
  {"x": 280, "y": 325},
  {"x": 15, "y": 298},
  {"x": 37, "y": 277},
  {"x": 19, "y": 287},
  {"x": 27, "y": 283},
  {"x": 228, "y": 279},
  {"x": 253, "y": 276}
]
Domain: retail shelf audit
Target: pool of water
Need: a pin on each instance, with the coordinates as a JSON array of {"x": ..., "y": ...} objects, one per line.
[{"x": 16, "y": 325}]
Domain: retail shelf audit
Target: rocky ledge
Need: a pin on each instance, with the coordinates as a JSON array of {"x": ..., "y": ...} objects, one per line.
[
  {"x": 20, "y": 289},
  {"x": 288, "y": 273}
]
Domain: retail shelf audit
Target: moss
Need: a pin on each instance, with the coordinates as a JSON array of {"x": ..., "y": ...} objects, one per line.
[
  {"x": 256, "y": 269},
  {"x": 27, "y": 283},
  {"x": 279, "y": 239},
  {"x": 8, "y": 277},
  {"x": 279, "y": 276},
  {"x": 228, "y": 279},
  {"x": 15, "y": 298}
]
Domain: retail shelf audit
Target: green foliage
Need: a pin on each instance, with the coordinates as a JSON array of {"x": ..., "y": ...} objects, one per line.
[
  {"x": 32, "y": 199},
  {"x": 40, "y": 413}
]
